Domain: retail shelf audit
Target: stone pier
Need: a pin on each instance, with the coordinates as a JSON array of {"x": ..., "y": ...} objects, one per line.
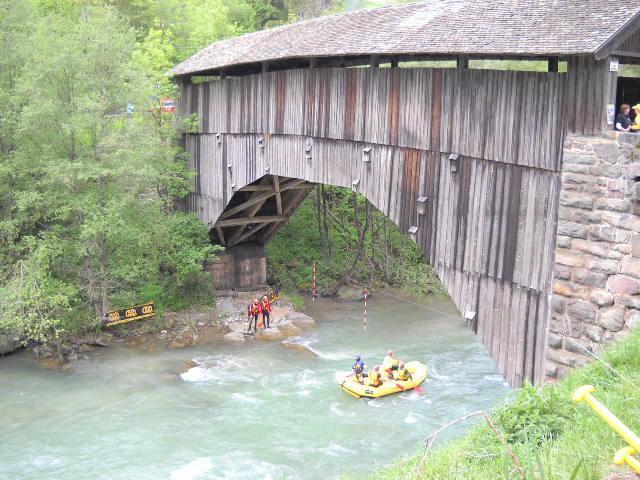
[
  {"x": 240, "y": 268},
  {"x": 596, "y": 292}
]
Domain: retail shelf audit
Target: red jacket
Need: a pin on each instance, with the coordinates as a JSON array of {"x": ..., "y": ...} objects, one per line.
[
  {"x": 266, "y": 306},
  {"x": 255, "y": 309}
]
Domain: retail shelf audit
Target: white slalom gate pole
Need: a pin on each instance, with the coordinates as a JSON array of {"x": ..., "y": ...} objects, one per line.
[
  {"x": 366, "y": 293},
  {"x": 315, "y": 284}
]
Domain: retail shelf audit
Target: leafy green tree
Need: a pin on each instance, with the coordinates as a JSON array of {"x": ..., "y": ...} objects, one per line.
[{"x": 89, "y": 220}]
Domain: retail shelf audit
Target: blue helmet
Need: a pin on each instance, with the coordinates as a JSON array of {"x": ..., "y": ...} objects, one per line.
[{"x": 357, "y": 358}]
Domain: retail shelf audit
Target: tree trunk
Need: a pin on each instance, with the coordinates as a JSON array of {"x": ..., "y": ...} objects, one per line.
[{"x": 103, "y": 256}]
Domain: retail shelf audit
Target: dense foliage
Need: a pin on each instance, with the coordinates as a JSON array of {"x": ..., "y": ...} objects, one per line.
[
  {"x": 88, "y": 214},
  {"x": 91, "y": 174},
  {"x": 351, "y": 242}
]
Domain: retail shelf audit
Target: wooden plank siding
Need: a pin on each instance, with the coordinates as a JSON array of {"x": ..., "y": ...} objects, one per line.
[
  {"x": 489, "y": 229},
  {"x": 590, "y": 87},
  {"x": 630, "y": 45},
  {"x": 476, "y": 113}
]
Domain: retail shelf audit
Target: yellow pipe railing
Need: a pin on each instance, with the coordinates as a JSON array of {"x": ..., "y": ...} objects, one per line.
[{"x": 624, "y": 455}]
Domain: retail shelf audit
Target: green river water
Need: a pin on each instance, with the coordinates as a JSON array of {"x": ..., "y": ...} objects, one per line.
[{"x": 252, "y": 411}]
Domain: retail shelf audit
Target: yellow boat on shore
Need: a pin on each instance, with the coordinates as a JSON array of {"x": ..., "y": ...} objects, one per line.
[{"x": 355, "y": 389}]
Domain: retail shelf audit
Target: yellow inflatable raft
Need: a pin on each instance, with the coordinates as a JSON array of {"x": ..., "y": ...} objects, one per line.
[{"x": 356, "y": 389}]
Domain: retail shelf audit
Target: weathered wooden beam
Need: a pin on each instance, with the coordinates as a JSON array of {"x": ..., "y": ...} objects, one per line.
[
  {"x": 291, "y": 202},
  {"x": 257, "y": 188},
  {"x": 251, "y": 212},
  {"x": 221, "y": 236},
  {"x": 621, "y": 53},
  {"x": 261, "y": 198},
  {"x": 276, "y": 187},
  {"x": 241, "y": 238},
  {"x": 293, "y": 184},
  {"x": 232, "y": 222}
]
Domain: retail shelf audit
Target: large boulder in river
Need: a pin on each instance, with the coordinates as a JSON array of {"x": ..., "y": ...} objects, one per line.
[
  {"x": 234, "y": 337},
  {"x": 187, "y": 337},
  {"x": 9, "y": 343},
  {"x": 238, "y": 326},
  {"x": 288, "y": 329},
  {"x": 269, "y": 334},
  {"x": 301, "y": 320},
  {"x": 101, "y": 339},
  {"x": 349, "y": 294}
]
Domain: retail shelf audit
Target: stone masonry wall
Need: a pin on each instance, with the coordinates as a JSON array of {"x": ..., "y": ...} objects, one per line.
[{"x": 596, "y": 293}]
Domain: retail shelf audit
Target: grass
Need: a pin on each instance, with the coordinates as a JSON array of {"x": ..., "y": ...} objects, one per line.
[{"x": 552, "y": 438}]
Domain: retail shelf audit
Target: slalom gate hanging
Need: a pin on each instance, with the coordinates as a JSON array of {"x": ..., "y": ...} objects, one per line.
[
  {"x": 315, "y": 285},
  {"x": 366, "y": 294}
]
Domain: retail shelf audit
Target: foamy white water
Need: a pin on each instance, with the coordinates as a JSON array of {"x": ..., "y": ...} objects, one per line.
[{"x": 254, "y": 411}]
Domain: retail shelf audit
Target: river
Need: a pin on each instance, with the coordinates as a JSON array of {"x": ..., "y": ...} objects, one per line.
[{"x": 251, "y": 411}]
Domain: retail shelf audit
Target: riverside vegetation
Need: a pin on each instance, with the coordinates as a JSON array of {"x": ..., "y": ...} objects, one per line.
[
  {"x": 92, "y": 175},
  {"x": 352, "y": 243},
  {"x": 552, "y": 438}
]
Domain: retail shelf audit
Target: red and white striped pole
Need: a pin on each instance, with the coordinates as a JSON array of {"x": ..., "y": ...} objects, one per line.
[
  {"x": 366, "y": 293},
  {"x": 315, "y": 285}
]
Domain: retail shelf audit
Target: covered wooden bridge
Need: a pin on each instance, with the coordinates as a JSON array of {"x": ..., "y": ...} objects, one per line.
[{"x": 398, "y": 104}]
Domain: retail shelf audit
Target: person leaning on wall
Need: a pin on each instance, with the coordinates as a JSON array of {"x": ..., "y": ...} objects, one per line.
[{"x": 623, "y": 120}]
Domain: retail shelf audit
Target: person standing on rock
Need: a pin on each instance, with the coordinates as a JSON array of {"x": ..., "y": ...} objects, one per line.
[
  {"x": 266, "y": 311},
  {"x": 254, "y": 312}
]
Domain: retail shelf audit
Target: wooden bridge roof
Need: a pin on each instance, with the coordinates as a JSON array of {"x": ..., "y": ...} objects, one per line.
[{"x": 434, "y": 27}]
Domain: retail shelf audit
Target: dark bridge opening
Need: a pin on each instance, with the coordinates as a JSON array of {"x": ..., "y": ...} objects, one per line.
[{"x": 256, "y": 212}]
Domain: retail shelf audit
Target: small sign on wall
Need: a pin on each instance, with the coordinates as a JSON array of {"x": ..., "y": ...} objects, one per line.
[
  {"x": 614, "y": 65},
  {"x": 611, "y": 113}
]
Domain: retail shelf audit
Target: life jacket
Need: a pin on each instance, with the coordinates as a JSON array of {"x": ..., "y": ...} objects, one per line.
[
  {"x": 389, "y": 362},
  {"x": 255, "y": 309},
  {"x": 403, "y": 374},
  {"x": 358, "y": 367},
  {"x": 374, "y": 379},
  {"x": 266, "y": 306}
]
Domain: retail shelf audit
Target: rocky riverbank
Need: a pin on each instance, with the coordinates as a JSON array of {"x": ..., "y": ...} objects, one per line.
[
  {"x": 285, "y": 321},
  {"x": 227, "y": 321}
]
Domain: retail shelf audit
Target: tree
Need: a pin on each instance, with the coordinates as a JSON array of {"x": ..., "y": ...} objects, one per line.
[{"x": 89, "y": 221}]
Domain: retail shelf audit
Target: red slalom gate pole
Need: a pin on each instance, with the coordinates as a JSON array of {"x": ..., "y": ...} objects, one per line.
[
  {"x": 315, "y": 284},
  {"x": 366, "y": 293}
]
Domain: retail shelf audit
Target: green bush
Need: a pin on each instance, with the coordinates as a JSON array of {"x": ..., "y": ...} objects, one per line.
[
  {"x": 330, "y": 240},
  {"x": 535, "y": 415}
]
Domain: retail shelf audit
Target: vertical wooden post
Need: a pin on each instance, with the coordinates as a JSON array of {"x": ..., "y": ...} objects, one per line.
[
  {"x": 222, "y": 75},
  {"x": 394, "y": 63},
  {"x": 463, "y": 62},
  {"x": 375, "y": 61},
  {"x": 610, "y": 92},
  {"x": 265, "y": 67},
  {"x": 313, "y": 62},
  {"x": 553, "y": 64}
]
